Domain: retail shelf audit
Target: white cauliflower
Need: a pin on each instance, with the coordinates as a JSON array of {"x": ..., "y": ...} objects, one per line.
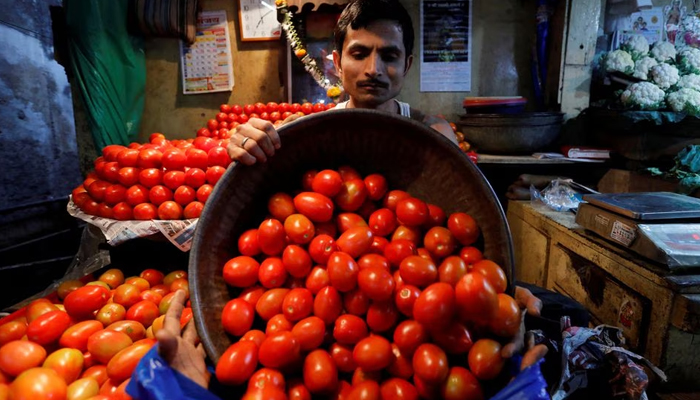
[
  {"x": 643, "y": 96},
  {"x": 689, "y": 61},
  {"x": 663, "y": 51},
  {"x": 619, "y": 60},
  {"x": 665, "y": 75},
  {"x": 642, "y": 67},
  {"x": 691, "y": 23},
  {"x": 691, "y": 81},
  {"x": 637, "y": 46},
  {"x": 685, "y": 100}
]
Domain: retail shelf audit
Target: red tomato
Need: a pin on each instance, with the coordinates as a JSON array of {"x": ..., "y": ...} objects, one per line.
[
  {"x": 193, "y": 210},
  {"x": 214, "y": 173},
  {"x": 104, "y": 344},
  {"x": 493, "y": 273},
  {"x": 169, "y": 210},
  {"x": 327, "y": 183},
  {"x": 310, "y": 333},
  {"x": 260, "y": 108},
  {"x": 184, "y": 195},
  {"x": 203, "y": 193},
  {"x": 122, "y": 365},
  {"x": 241, "y": 271},
  {"x": 439, "y": 242},
  {"x": 204, "y": 132},
  {"x": 412, "y": 212},
  {"x": 149, "y": 295},
  {"x": 470, "y": 255},
  {"x": 153, "y": 276},
  {"x": 382, "y": 316},
  {"x": 299, "y": 228},
  {"x": 408, "y": 335},
  {"x": 317, "y": 279},
  {"x": 360, "y": 376},
  {"x": 454, "y": 339},
  {"x": 252, "y": 294},
  {"x": 398, "y": 389},
  {"x": 281, "y": 206},
  {"x": 346, "y": 221},
  {"x": 271, "y": 237},
  {"x": 342, "y": 356},
  {"x": 367, "y": 208},
  {"x": 268, "y": 393},
  {"x": 279, "y": 350},
  {"x": 373, "y": 353},
  {"x": 451, "y": 270},
  {"x": 382, "y": 222},
  {"x": 136, "y": 195},
  {"x": 464, "y": 228},
  {"x": 402, "y": 366},
  {"x": 135, "y": 330},
  {"x": 430, "y": 364},
  {"x": 238, "y": 363},
  {"x": 18, "y": 356},
  {"x": 315, "y": 206},
  {"x": 97, "y": 190},
  {"x": 393, "y": 197},
  {"x": 376, "y": 282},
  {"x": 378, "y": 245},
  {"x": 342, "y": 271},
  {"x": 352, "y": 195},
  {"x": 150, "y": 177},
  {"x": 122, "y": 212},
  {"x": 254, "y": 336},
  {"x": 68, "y": 363},
  {"x": 128, "y": 158},
  {"x": 145, "y": 211},
  {"x": 248, "y": 243},
  {"x": 373, "y": 260},
  {"x": 417, "y": 271},
  {"x": 356, "y": 302},
  {"x": 115, "y": 194},
  {"x": 328, "y": 305},
  {"x": 436, "y": 217},
  {"x": 485, "y": 360},
  {"x": 174, "y": 159},
  {"x": 349, "y": 329},
  {"x": 113, "y": 277},
  {"x": 320, "y": 372},
  {"x": 397, "y": 250},
  {"x": 127, "y": 295},
  {"x": 347, "y": 172},
  {"x": 270, "y": 303},
  {"x": 355, "y": 241},
  {"x": 477, "y": 301},
  {"x": 83, "y": 302},
  {"x": 295, "y": 107},
  {"x": 84, "y": 388},
  {"x": 405, "y": 298},
  {"x": 435, "y": 306},
  {"x": 298, "y": 304},
  {"x": 321, "y": 248},
  {"x": 367, "y": 390},
  {"x": 376, "y": 186},
  {"x": 318, "y": 107},
  {"x": 48, "y": 327},
  {"x": 13, "y": 330},
  {"x": 174, "y": 179},
  {"x": 38, "y": 383},
  {"x": 307, "y": 108},
  {"x": 149, "y": 158},
  {"x": 272, "y": 273},
  {"x": 506, "y": 322},
  {"x": 195, "y": 177},
  {"x": 326, "y": 228},
  {"x": 159, "y": 194},
  {"x": 461, "y": 385},
  {"x": 297, "y": 261},
  {"x": 144, "y": 312}
]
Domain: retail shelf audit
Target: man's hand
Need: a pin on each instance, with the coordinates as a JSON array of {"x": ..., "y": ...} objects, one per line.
[
  {"x": 180, "y": 351},
  {"x": 526, "y": 301},
  {"x": 255, "y": 140}
]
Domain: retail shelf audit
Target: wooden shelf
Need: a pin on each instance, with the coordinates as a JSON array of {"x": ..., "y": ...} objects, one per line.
[{"x": 497, "y": 159}]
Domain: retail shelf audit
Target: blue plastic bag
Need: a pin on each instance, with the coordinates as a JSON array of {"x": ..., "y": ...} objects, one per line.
[{"x": 527, "y": 385}]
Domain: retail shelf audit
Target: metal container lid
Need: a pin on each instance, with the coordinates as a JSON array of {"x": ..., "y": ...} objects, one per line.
[{"x": 649, "y": 206}]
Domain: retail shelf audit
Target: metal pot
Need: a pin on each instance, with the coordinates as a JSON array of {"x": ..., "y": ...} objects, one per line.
[{"x": 511, "y": 133}]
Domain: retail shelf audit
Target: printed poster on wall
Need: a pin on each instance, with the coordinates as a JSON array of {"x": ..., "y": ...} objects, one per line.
[
  {"x": 648, "y": 23},
  {"x": 207, "y": 65},
  {"x": 445, "y": 45}
]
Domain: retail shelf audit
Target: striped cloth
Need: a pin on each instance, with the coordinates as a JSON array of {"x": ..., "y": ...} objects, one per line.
[{"x": 167, "y": 18}]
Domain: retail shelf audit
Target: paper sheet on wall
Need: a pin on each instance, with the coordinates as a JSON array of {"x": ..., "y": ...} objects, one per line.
[
  {"x": 648, "y": 23},
  {"x": 445, "y": 45},
  {"x": 207, "y": 65}
]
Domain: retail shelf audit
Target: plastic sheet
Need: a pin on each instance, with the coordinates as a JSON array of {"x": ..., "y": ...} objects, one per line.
[
  {"x": 527, "y": 385},
  {"x": 558, "y": 195}
]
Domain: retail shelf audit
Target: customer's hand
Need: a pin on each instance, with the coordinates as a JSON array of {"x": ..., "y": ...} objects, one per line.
[
  {"x": 532, "y": 305},
  {"x": 179, "y": 350},
  {"x": 256, "y": 140}
]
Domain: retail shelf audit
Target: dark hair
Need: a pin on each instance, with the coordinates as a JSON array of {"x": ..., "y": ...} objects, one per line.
[{"x": 360, "y": 13}]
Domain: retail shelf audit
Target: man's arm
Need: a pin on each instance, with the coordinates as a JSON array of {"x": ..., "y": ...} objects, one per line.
[{"x": 436, "y": 123}]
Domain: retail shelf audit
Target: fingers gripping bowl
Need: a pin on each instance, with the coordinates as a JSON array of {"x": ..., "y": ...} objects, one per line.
[{"x": 411, "y": 156}]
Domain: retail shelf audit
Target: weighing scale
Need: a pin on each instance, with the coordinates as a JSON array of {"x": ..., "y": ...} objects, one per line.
[{"x": 662, "y": 226}]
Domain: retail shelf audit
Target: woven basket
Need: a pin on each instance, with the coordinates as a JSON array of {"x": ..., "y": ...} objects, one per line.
[{"x": 411, "y": 156}]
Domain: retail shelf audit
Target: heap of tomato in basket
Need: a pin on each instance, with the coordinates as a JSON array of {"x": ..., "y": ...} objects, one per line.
[{"x": 350, "y": 288}]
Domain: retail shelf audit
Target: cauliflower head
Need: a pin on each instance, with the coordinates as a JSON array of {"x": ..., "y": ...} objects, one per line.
[
  {"x": 619, "y": 60},
  {"x": 665, "y": 75},
  {"x": 685, "y": 100},
  {"x": 642, "y": 67},
  {"x": 689, "y": 61},
  {"x": 637, "y": 46},
  {"x": 691, "y": 23},
  {"x": 691, "y": 81},
  {"x": 643, "y": 96},
  {"x": 663, "y": 51}
]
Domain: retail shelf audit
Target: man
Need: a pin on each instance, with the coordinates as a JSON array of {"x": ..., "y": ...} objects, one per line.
[{"x": 374, "y": 41}]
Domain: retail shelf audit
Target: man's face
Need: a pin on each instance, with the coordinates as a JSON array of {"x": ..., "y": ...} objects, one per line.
[{"x": 373, "y": 63}]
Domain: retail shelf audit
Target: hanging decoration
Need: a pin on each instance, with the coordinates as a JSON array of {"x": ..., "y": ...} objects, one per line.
[{"x": 334, "y": 91}]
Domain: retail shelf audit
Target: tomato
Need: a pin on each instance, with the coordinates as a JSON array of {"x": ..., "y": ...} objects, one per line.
[
  {"x": 122, "y": 365},
  {"x": 128, "y": 176},
  {"x": 193, "y": 210},
  {"x": 84, "y": 301},
  {"x": 349, "y": 329},
  {"x": 297, "y": 304},
  {"x": 318, "y": 107},
  {"x": 270, "y": 303},
  {"x": 268, "y": 393},
  {"x": 13, "y": 330},
  {"x": 397, "y": 250},
  {"x": 299, "y": 228},
  {"x": 376, "y": 282},
  {"x": 164, "y": 304},
  {"x": 115, "y": 194},
  {"x": 144, "y": 312},
  {"x": 82, "y": 389},
  {"x": 393, "y": 197},
  {"x": 326, "y": 228},
  {"x": 150, "y": 177},
  {"x": 105, "y": 211},
  {"x": 173, "y": 179},
  {"x": 493, "y": 273},
  {"x": 346, "y": 221},
  {"x": 317, "y": 279},
  {"x": 127, "y": 295},
  {"x": 123, "y": 212},
  {"x": 252, "y": 294},
  {"x": 150, "y": 295},
  {"x": 342, "y": 271},
  {"x": 214, "y": 173},
  {"x": 382, "y": 222},
  {"x": 373, "y": 260},
  {"x": 367, "y": 390},
  {"x": 408, "y": 335},
  {"x": 417, "y": 271},
  {"x": 68, "y": 363},
  {"x": 376, "y": 186},
  {"x": 378, "y": 245},
  {"x": 254, "y": 336},
  {"x": 172, "y": 276},
  {"x": 398, "y": 389},
  {"x": 128, "y": 157},
  {"x": 113, "y": 277},
  {"x": 218, "y": 156},
  {"x": 297, "y": 391},
  {"x": 76, "y": 336},
  {"x": 476, "y": 299},
  {"x": 435, "y": 306},
  {"x": 382, "y": 316},
  {"x": 104, "y": 344},
  {"x": 18, "y": 356},
  {"x": 461, "y": 385},
  {"x": 96, "y": 372},
  {"x": 195, "y": 177},
  {"x": 265, "y": 377},
  {"x": 320, "y": 372},
  {"x": 470, "y": 255},
  {"x": 454, "y": 339},
  {"x": 506, "y": 322},
  {"x": 439, "y": 241},
  {"x": 271, "y": 237},
  {"x": 145, "y": 212},
  {"x": 355, "y": 241},
  {"x": 430, "y": 363},
  {"x": 412, "y": 234},
  {"x": 361, "y": 375},
  {"x": 297, "y": 261},
  {"x": 451, "y": 270},
  {"x": 412, "y": 212},
  {"x": 238, "y": 363},
  {"x": 307, "y": 108},
  {"x": 159, "y": 194},
  {"x": 38, "y": 383},
  {"x": 373, "y": 353},
  {"x": 436, "y": 216},
  {"x": 109, "y": 389},
  {"x": 485, "y": 360},
  {"x": 279, "y": 350},
  {"x": 317, "y": 207},
  {"x": 248, "y": 243},
  {"x": 356, "y": 302},
  {"x": 169, "y": 210},
  {"x": 174, "y": 159},
  {"x": 342, "y": 357},
  {"x": 405, "y": 298},
  {"x": 241, "y": 271},
  {"x": 367, "y": 208},
  {"x": 402, "y": 365},
  {"x": 149, "y": 158},
  {"x": 272, "y": 273},
  {"x": 310, "y": 333},
  {"x": 184, "y": 195},
  {"x": 160, "y": 289},
  {"x": 97, "y": 190},
  {"x": 464, "y": 228},
  {"x": 352, "y": 195},
  {"x": 328, "y": 305},
  {"x": 91, "y": 207},
  {"x": 295, "y": 107},
  {"x": 281, "y": 206},
  {"x": 120, "y": 393}
]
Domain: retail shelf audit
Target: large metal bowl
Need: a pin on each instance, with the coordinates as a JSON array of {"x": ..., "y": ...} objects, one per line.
[
  {"x": 410, "y": 155},
  {"x": 511, "y": 133}
]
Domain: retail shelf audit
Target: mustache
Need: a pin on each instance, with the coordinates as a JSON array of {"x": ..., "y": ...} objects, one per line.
[{"x": 373, "y": 82}]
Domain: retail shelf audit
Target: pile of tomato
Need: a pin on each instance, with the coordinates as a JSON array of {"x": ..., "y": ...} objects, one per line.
[
  {"x": 230, "y": 116},
  {"x": 351, "y": 289},
  {"x": 86, "y": 341}
]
